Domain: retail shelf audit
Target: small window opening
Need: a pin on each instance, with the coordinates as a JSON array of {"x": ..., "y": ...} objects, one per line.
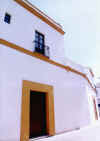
[{"x": 7, "y": 18}]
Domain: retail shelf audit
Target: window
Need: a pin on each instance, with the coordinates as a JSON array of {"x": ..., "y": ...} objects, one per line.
[
  {"x": 39, "y": 42},
  {"x": 7, "y": 18}
]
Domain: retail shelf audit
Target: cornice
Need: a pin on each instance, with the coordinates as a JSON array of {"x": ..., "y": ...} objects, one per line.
[{"x": 32, "y": 9}]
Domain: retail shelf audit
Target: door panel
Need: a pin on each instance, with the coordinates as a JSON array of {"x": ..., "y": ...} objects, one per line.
[{"x": 37, "y": 114}]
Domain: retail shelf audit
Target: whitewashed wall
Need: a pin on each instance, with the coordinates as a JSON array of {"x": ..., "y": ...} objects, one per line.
[
  {"x": 91, "y": 94},
  {"x": 71, "y": 102},
  {"x": 21, "y": 31},
  {"x": 98, "y": 89},
  {"x": 70, "y": 94},
  {"x": 98, "y": 95}
]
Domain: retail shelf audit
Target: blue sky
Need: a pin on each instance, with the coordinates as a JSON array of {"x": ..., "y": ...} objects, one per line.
[{"x": 80, "y": 20}]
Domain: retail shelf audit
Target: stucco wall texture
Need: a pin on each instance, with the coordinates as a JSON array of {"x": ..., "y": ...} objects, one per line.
[{"x": 70, "y": 92}]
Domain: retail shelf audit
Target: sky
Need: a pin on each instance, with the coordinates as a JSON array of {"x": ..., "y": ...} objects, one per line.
[{"x": 80, "y": 21}]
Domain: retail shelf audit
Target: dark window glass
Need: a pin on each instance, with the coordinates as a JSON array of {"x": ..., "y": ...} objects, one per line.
[
  {"x": 39, "y": 42},
  {"x": 7, "y": 18},
  {"x": 98, "y": 105}
]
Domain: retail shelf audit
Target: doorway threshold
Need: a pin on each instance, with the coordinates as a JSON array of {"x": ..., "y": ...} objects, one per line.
[{"x": 38, "y": 138}]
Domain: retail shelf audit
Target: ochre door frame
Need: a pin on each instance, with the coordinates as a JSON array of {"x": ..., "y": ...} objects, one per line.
[{"x": 25, "y": 112}]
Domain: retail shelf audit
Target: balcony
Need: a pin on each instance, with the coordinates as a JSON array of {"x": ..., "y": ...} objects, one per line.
[{"x": 42, "y": 49}]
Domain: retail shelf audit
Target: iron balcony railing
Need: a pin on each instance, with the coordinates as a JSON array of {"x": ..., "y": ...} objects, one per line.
[{"x": 42, "y": 49}]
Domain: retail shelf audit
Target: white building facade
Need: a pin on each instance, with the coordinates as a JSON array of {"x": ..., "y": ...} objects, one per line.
[
  {"x": 98, "y": 96},
  {"x": 32, "y": 60}
]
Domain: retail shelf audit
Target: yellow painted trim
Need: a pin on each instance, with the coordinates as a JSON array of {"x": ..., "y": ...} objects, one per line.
[
  {"x": 41, "y": 57},
  {"x": 27, "y": 87},
  {"x": 95, "y": 108},
  {"x": 40, "y": 15}
]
